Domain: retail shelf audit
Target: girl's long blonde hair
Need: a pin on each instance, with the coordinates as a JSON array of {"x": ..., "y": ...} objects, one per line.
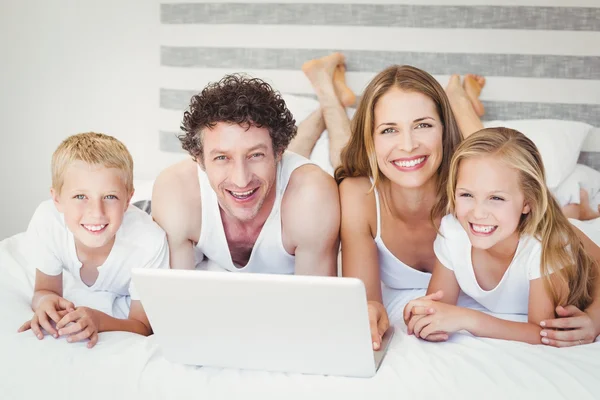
[
  {"x": 358, "y": 158},
  {"x": 573, "y": 270}
]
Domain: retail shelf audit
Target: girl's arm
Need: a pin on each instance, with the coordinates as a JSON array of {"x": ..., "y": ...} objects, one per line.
[
  {"x": 451, "y": 318},
  {"x": 443, "y": 287},
  {"x": 540, "y": 306}
]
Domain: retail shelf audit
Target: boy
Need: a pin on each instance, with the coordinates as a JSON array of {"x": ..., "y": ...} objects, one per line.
[{"x": 89, "y": 229}]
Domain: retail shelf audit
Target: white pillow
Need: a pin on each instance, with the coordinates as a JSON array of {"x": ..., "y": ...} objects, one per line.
[
  {"x": 582, "y": 177},
  {"x": 143, "y": 190},
  {"x": 558, "y": 141}
]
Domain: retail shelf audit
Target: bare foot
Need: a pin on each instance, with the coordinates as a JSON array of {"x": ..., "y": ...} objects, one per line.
[
  {"x": 344, "y": 93},
  {"x": 586, "y": 212},
  {"x": 456, "y": 92},
  {"x": 329, "y": 71},
  {"x": 473, "y": 85}
]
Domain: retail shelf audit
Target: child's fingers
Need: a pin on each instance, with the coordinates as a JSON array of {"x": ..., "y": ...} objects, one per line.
[
  {"x": 66, "y": 304},
  {"x": 420, "y": 310},
  {"x": 35, "y": 328},
  {"x": 435, "y": 337},
  {"x": 84, "y": 334},
  {"x": 411, "y": 324},
  {"x": 45, "y": 323},
  {"x": 26, "y": 326},
  {"x": 93, "y": 340},
  {"x": 434, "y": 296},
  {"x": 70, "y": 317},
  {"x": 431, "y": 335},
  {"x": 71, "y": 329},
  {"x": 420, "y": 324},
  {"x": 54, "y": 315},
  {"x": 408, "y": 311}
]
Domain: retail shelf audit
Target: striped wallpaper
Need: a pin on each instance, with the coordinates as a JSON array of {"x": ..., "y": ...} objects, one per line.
[{"x": 541, "y": 57}]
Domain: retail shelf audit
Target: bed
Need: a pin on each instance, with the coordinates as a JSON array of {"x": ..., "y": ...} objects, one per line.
[{"x": 542, "y": 62}]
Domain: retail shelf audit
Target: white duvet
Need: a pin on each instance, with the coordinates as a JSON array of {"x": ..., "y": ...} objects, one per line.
[{"x": 127, "y": 366}]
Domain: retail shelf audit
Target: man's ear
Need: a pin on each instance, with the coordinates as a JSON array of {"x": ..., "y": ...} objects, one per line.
[
  {"x": 200, "y": 162},
  {"x": 56, "y": 199},
  {"x": 278, "y": 156}
]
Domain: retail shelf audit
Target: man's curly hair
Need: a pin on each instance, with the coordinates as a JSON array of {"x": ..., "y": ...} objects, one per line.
[{"x": 237, "y": 99}]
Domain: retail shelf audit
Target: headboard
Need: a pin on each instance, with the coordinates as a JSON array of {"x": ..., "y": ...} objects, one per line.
[{"x": 540, "y": 61}]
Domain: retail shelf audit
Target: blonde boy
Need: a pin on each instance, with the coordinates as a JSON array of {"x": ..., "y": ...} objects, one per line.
[{"x": 90, "y": 230}]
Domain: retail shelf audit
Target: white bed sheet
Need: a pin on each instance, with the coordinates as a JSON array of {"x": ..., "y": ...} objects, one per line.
[{"x": 128, "y": 366}]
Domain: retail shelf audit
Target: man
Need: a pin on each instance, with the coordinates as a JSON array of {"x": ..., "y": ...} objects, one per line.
[{"x": 243, "y": 201}]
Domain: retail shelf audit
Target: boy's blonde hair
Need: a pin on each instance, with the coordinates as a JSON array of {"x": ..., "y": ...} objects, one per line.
[
  {"x": 573, "y": 271},
  {"x": 94, "y": 149}
]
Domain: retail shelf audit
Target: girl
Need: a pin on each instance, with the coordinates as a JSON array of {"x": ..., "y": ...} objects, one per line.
[{"x": 505, "y": 243}]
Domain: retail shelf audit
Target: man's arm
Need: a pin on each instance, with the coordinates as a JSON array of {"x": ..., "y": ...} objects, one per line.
[
  {"x": 576, "y": 326},
  {"x": 176, "y": 208},
  {"x": 311, "y": 220}
]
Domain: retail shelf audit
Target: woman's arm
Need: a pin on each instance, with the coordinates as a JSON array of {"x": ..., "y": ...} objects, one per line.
[{"x": 359, "y": 251}]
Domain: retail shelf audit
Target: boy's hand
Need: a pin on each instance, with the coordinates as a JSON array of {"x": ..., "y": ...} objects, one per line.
[
  {"x": 53, "y": 306},
  {"x": 84, "y": 326}
]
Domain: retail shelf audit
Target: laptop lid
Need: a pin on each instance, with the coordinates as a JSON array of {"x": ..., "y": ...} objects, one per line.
[{"x": 305, "y": 324}]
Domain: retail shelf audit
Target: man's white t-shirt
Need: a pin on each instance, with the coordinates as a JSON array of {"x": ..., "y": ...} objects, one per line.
[
  {"x": 139, "y": 243},
  {"x": 511, "y": 296}
]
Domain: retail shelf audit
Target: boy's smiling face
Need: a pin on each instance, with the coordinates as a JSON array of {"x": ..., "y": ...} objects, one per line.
[{"x": 93, "y": 200}]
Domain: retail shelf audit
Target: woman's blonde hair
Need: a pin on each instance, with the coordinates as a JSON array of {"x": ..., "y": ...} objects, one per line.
[
  {"x": 358, "y": 157},
  {"x": 573, "y": 270},
  {"x": 94, "y": 149}
]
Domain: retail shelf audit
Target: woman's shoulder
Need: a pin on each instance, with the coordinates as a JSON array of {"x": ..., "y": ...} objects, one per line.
[
  {"x": 356, "y": 190},
  {"x": 358, "y": 202}
]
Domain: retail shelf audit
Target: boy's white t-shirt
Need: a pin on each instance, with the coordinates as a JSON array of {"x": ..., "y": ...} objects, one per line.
[
  {"x": 511, "y": 296},
  {"x": 139, "y": 243}
]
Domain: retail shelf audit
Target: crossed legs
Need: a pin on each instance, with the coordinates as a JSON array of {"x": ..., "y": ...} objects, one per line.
[{"x": 327, "y": 76}]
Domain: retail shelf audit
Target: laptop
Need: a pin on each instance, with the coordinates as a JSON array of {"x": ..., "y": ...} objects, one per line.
[{"x": 283, "y": 323}]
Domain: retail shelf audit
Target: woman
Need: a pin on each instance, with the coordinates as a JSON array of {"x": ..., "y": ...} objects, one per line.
[{"x": 392, "y": 180}]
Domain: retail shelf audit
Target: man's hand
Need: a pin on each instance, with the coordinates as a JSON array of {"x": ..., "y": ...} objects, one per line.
[
  {"x": 572, "y": 328},
  {"x": 51, "y": 307}
]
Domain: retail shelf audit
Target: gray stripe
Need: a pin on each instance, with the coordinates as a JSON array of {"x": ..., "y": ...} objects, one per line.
[
  {"x": 591, "y": 159},
  {"x": 170, "y": 143},
  {"x": 515, "y": 65},
  {"x": 386, "y": 15},
  {"x": 497, "y": 110},
  {"x": 173, "y": 99}
]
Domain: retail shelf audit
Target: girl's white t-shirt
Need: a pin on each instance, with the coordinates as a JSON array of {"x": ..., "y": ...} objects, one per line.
[
  {"x": 139, "y": 243},
  {"x": 511, "y": 296}
]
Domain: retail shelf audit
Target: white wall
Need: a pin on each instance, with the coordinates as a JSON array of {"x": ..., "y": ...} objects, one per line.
[{"x": 68, "y": 67}]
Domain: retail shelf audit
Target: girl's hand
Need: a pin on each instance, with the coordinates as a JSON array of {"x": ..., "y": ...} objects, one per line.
[
  {"x": 417, "y": 307},
  {"x": 445, "y": 319},
  {"x": 572, "y": 328}
]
